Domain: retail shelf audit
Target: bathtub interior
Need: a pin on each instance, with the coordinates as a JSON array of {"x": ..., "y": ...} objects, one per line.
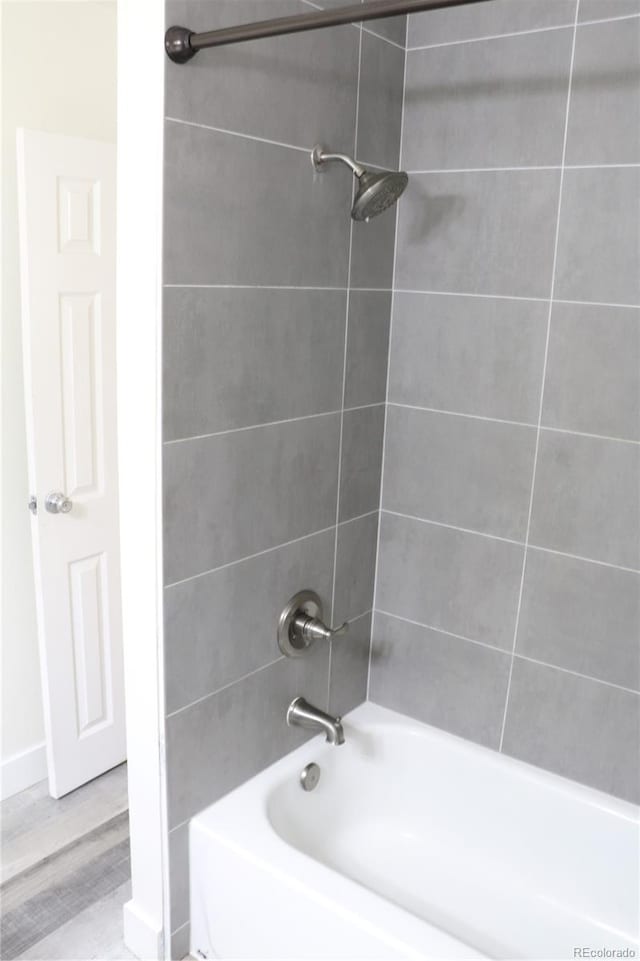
[{"x": 509, "y": 859}]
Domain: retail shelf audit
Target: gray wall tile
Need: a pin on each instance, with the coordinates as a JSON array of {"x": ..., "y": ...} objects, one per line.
[
  {"x": 601, "y": 9},
  {"x": 593, "y": 370},
  {"x": 372, "y": 251},
  {"x": 485, "y": 233},
  {"x": 471, "y": 355},
  {"x": 225, "y": 739},
  {"x": 393, "y": 28},
  {"x": 240, "y": 211},
  {"x": 180, "y": 941},
  {"x": 488, "y": 19},
  {"x": 586, "y": 498},
  {"x": 380, "y": 103},
  {"x": 179, "y": 875},
  {"x": 581, "y": 616},
  {"x": 599, "y": 242},
  {"x": 441, "y": 680},
  {"x": 222, "y": 626},
  {"x": 455, "y": 470},
  {"x": 605, "y": 95},
  {"x": 576, "y": 727},
  {"x": 240, "y": 357},
  {"x": 367, "y": 347},
  {"x": 449, "y": 580},
  {"x": 355, "y": 567},
  {"x": 362, "y": 437},
  {"x": 496, "y": 103},
  {"x": 298, "y": 89},
  {"x": 209, "y": 481},
  {"x": 350, "y": 667}
]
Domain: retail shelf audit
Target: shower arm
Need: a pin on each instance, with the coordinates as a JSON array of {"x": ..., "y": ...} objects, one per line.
[
  {"x": 181, "y": 44},
  {"x": 321, "y": 157}
]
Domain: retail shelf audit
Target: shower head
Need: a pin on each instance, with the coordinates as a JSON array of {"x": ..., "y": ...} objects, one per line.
[{"x": 376, "y": 190}]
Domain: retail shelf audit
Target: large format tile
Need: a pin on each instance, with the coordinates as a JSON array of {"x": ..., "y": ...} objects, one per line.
[
  {"x": 581, "y": 616},
  {"x": 298, "y": 89},
  {"x": 601, "y": 9},
  {"x": 460, "y": 471},
  {"x": 350, "y": 667},
  {"x": 241, "y": 211},
  {"x": 232, "y": 495},
  {"x": 239, "y": 357},
  {"x": 470, "y": 355},
  {"x": 488, "y": 19},
  {"x": 362, "y": 439},
  {"x": 380, "y": 102},
  {"x": 223, "y": 625},
  {"x": 593, "y": 370},
  {"x": 440, "y": 680},
  {"x": 586, "y": 498},
  {"x": 225, "y": 739},
  {"x": 372, "y": 250},
  {"x": 367, "y": 347},
  {"x": 449, "y": 580},
  {"x": 488, "y": 232},
  {"x": 576, "y": 727},
  {"x": 605, "y": 95},
  {"x": 497, "y": 103},
  {"x": 599, "y": 243},
  {"x": 355, "y": 567}
]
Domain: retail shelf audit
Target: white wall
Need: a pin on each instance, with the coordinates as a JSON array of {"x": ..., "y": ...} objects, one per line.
[{"x": 62, "y": 79}]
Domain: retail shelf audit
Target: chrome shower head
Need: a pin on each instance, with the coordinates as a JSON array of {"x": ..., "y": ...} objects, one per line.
[{"x": 376, "y": 190}]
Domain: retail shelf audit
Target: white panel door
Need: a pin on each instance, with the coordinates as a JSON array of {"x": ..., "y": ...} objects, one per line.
[{"x": 67, "y": 253}]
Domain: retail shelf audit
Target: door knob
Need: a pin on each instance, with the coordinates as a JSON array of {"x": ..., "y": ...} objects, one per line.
[
  {"x": 301, "y": 624},
  {"x": 57, "y": 503}
]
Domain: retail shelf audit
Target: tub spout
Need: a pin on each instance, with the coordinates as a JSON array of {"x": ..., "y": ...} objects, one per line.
[{"x": 302, "y": 714}]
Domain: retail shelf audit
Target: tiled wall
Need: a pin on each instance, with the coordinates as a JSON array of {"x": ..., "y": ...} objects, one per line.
[
  {"x": 507, "y": 599},
  {"x": 276, "y": 325}
]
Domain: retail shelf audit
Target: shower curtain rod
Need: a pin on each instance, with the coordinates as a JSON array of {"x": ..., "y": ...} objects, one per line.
[{"x": 181, "y": 44}]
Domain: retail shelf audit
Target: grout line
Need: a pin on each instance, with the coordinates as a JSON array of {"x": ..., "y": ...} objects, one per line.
[
  {"x": 239, "y": 430},
  {"x": 237, "y": 133},
  {"x": 225, "y": 687},
  {"x": 180, "y": 928},
  {"x": 582, "y": 433},
  {"x": 386, "y": 392},
  {"x": 358, "y": 617},
  {"x": 525, "y": 167},
  {"x": 357, "y": 25},
  {"x": 344, "y": 384},
  {"x": 595, "y": 303},
  {"x": 451, "y": 527},
  {"x": 520, "y": 33},
  {"x": 501, "y": 650},
  {"x": 249, "y": 287},
  {"x": 176, "y": 827},
  {"x": 506, "y": 540},
  {"x": 625, "y": 16},
  {"x": 457, "y": 413},
  {"x": 400, "y": 290},
  {"x": 247, "y": 557},
  {"x": 512, "y": 423},
  {"x": 544, "y": 374},
  {"x": 493, "y": 36},
  {"x": 359, "y": 517},
  {"x": 465, "y": 293},
  {"x": 585, "y": 560}
]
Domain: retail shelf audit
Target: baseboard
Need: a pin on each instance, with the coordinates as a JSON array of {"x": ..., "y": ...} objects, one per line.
[
  {"x": 22, "y": 770},
  {"x": 141, "y": 935}
]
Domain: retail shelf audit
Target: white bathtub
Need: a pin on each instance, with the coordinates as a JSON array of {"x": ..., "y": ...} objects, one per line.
[{"x": 415, "y": 844}]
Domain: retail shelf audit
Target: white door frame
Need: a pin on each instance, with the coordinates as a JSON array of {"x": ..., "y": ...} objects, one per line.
[{"x": 141, "y": 64}]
